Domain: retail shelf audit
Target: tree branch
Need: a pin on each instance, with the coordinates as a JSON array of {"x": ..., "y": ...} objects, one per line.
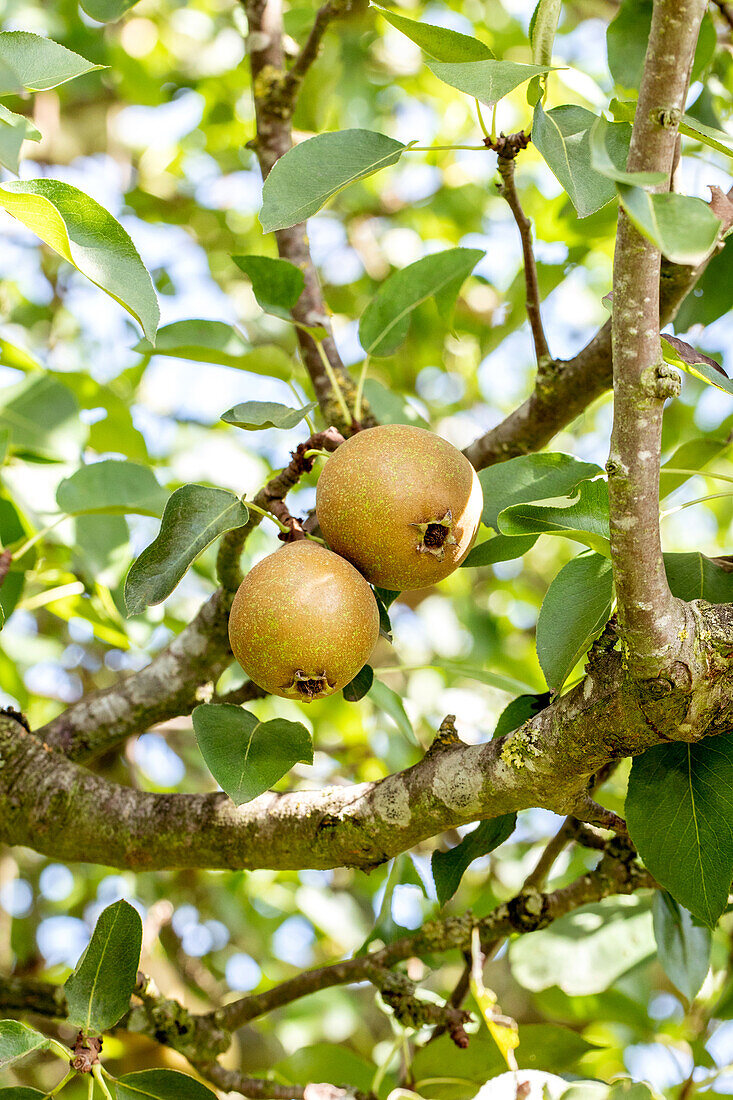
[
  {"x": 274, "y": 92},
  {"x": 508, "y": 190},
  {"x": 202, "y": 1038},
  {"x": 649, "y": 615},
  {"x": 56, "y": 807}
]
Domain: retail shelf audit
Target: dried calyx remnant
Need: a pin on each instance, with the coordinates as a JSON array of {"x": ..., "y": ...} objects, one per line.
[
  {"x": 309, "y": 687},
  {"x": 436, "y": 535}
]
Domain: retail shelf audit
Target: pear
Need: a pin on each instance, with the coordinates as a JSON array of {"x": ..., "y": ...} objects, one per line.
[
  {"x": 401, "y": 504},
  {"x": 303, "y": 622}
]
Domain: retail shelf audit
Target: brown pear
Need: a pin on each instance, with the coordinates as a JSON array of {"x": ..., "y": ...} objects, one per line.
[
  {"x": 303, "y": 622},
  {"x": 401, "y": 504}
]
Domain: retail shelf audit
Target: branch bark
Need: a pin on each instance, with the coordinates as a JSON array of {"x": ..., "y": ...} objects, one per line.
[
  {"x": 274, "y": 90},
  {"x": 59, "y": 809},
  {"x": 649, "y": 615}
]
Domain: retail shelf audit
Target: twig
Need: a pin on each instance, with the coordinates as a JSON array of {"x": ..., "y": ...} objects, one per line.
[
  {"x": 520, "y": 915},
  {"x": 508, "y": 190},
  {"x": 275, "y": 92},
  {"x": 311, "y": 47},
  {"x": 270, "y": 499}
]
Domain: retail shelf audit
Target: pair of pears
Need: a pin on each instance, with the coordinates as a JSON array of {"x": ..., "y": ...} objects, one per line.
[{"x": 400, "y": 508}]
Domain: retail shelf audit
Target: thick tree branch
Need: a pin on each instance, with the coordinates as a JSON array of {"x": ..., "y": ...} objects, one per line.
[
  {"x": 649, "y": 615},
  {"x": 61, "y": 810},
  {"x": 274, "y": 91},
  {"x": 176, "y": 680}
]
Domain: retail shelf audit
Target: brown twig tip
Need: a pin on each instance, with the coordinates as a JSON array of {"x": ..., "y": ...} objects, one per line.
[
  {"x": 86, "y": 1053},
  {"x": 507, "y": 146}
]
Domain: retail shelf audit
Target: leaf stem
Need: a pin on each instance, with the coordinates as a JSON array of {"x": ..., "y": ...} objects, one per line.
[
  {"x": 439, "y": 148},
  {"x": 18, "y": 554},
  {"x": 360, "y": 388},
  {"x": 481, "y": 122},
  {"x": 306, "y": 417},
  {"x": 689, "y": 503},
  {"x": 62, "y": 1084},
  {"x": 493, "y": 122},
  {"x": 334, "y": 381},
  {"x": 97, "y": 1074},
  {"x": 695, "y": 473},
  {"x": 263, "y": 512}
]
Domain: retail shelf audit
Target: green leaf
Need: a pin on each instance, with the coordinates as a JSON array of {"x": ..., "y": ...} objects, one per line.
[
  {"x": 160, "y": 1084},
  {"x": 14, "y": 130},
  {"x": 106, "y": 11},
  {"x": 389, "y": 701},
  {"x": 683, "y": 228},
  {"x": 588, "y": 949},
  {"x": 684, "y": 947},
  {"x": 42, "y": 415},
  {"x": 311, "y": 173},
  {"x": 39, "y": 62},
  {"x": 692, "y": 576},
  {"x": 246, "y": 756},
  {"x": 609, "y": 149},
  {"x": 253, "y": 416},
  {"x": 112, "y": 487},
  {"x": 687, "y": 843},
  {"x": 542, "y": 30},
  {"x": 194, "y": 516},
  {"x": 710, "y": 297},
  {"x": 627, "y": 38},
  {"x": 101, "y": 549},
  {"x": 17, "y": 1040},
  {"x": 449, "y": 867},
  {"x": 530, "y": 478},
  {"x": 562, "y": 136},
  {"x": 85, "y": 234},
  {"x": 326, "y": 1062},
  {"x": 519, "y": 711},
  {"x": 711, "y": 136},
  {"x": 216, "y": 342},
  {"x": 682, "y": 355},
  {"x": 442, "y": 43},
  {"x": 99, "y": 990},
  {"x": 584, "y": 519},
  {"x": 695, "y": 454},
  {"x": 13, "y": 356},
  {"x": 360, "y": 685},
  {"x": 15, "y": 1092},
  {"x": 277, "y": 284},
  {"x": 488, "y": 81},
  {"x": 575, "y": 609},
  {"x": 484, "y": 676},
  {"x": 442, "y": 1071},
  {"x": 498, "y": 548},
  {"x": 385, "y": 322}
]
